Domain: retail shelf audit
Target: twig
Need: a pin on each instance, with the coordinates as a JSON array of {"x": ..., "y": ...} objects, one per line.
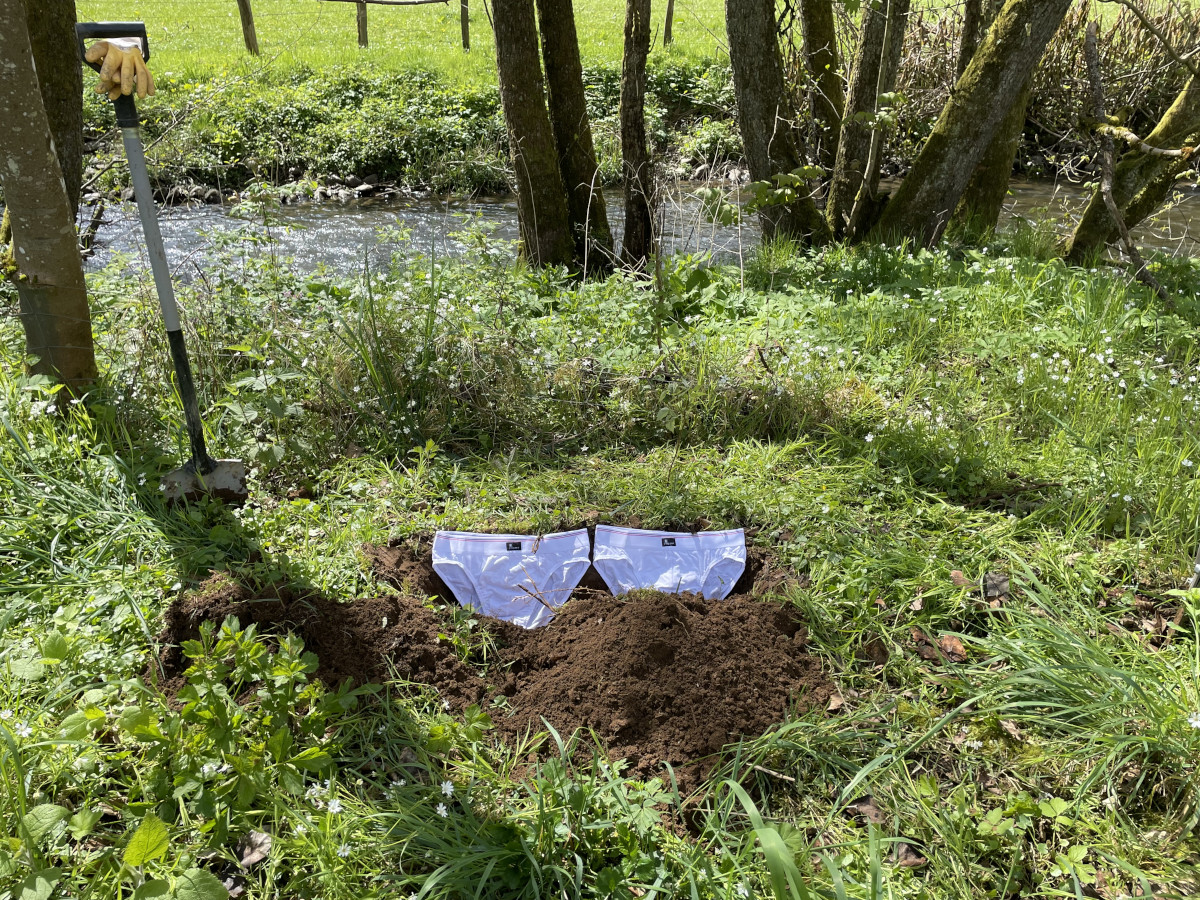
[
  {"x": 1141, "y": 273},
  {"x": 87, "y": 241},
  {"x": 538, "y": 598},
  {"x": 1124, "y": 134},
  {"x": 773, "y": 773},
  {"x": 1162, "y": 38}
]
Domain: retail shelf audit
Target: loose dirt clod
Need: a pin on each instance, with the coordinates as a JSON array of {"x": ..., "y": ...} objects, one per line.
[{"x": 658, "y": 677}]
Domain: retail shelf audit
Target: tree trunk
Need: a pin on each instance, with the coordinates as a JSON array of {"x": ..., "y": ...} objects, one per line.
[
  {"x": 49, "y": 270},
  {"x": 464, "y": 18},
  {"x": 586, "y": 210},
  {"x": 970, "y": 119},
  {"x": 56, "y": 55},
  {"x": 1142, "y": 181},
  {"x": 854, "y": 144},
  {"x": 973, "y": 27},
  {"x": 638, "y": 242},
  {"x": 668, "y": 24},
  {"x": 361, "y": 10},
  {"x": 983, "y": 198},
  {"x": 867, "y": 204},
  {"x": 249, "y": 35},
  {"x": 821, "y": 60},
  {"x": 771, "y": 143},
  {"x": 541, "y": 199}
]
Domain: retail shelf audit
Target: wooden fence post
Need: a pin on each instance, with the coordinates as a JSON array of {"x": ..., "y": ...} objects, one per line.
[
  {"x": 667, "y": 25},
  {"x": 249, "y": 35},
  {"x": 362, "y": 25},
  {"x": 464, "y": 14}
]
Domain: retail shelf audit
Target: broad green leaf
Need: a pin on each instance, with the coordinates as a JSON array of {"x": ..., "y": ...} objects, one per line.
[
  {"x": 152, "y": 890},
  {"x": 82, "y": 823},
  {"x": 40, "y": 820},
  {"x": 38, "y": 885},
  {"x": 74, "y": 727},
  {"x": 197, "y": 884},
  {"x": 27, "y": 668},
  {"x": 311, "y": 759},
  {"x": 55, "y": 648},
  {"x": 148, "y": 842}
]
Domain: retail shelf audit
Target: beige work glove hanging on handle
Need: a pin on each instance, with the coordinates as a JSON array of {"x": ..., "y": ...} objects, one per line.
[{"x": 122, "y": 69}]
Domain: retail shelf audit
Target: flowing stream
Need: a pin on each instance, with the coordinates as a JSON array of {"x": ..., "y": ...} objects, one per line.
[{"x": 343, "y": 237}]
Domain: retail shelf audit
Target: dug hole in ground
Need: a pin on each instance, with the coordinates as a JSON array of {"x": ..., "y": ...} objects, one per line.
[{"x": 659, "y": 678}]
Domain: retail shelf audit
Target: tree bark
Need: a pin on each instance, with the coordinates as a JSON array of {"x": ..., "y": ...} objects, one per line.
[
  {"x": 60, "y": 78},
  {"x": 821, "y": 60},
  {"x": 541, "y": 198},
  {"x": 638, "y": 241},
  {"x": 361, "y": 17},
  {"x": 464, "y": 19},
  {"x": 586, "y": 212},
  {"x": 854, "y": 143},
  {"x": 1142, "y": 181},
  {"x": 249, "y": 34},
  {"x": 669, "y": 24},
  {"x": 973, "y": 27},
  {"x": 771, "y": 143},
  {"x": 970, "y": 119},
  {"x": 983, "y": 198},
  {"x": 49, "y": 270}
]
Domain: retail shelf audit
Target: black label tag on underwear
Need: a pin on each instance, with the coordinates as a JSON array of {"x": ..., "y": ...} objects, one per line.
[
  {"x": 668, "y": 542},
  {"x": 513, "y": 545}
]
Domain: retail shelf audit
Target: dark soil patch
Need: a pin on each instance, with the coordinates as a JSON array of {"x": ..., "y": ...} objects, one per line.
[{"x": 658, "y": 677}]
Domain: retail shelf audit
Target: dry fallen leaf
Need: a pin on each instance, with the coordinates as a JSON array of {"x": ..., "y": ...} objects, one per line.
[
  {"x": 995, "y": 585},
  {"x": 926, "y": 649},
  {"x": 835, "y": 703},
  {"x": 960, "y": 580},
  {"x": 875, "y": 651},
  {"x": 253, "y": 848},
  {"x": 1011, "y": 729},
  {"x": 865, "y": 807},
  {"x": 908, "y": 857},
  {"x": 918, "y": 603},
  {"x": 953, "y": 648}
]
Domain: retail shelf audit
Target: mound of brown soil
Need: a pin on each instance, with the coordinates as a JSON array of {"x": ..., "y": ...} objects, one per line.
[
  {"x": 662, "y": 677},
  {"x": 658, "y": 677}
]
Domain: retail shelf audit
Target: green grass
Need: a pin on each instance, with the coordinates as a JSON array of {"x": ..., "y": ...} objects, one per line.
[
  {"x": 978, "y": 411},
  {"x": 202, "y": 38}
]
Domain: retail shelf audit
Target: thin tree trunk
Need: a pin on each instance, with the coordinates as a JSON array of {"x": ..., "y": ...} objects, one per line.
[
  {"x": 854, "y": 144},
  {"x": 249, "y": 35},
  {"x": 541, "y": 198},
  {"x": 361, "y": 10},
  {"x": 1136, "y": 177},
  {"x": 49, "y": 270},
  {"x": 668, "y": 24},
  {"x": 464, "y": 18},
  {"x": 772, "y": 145},
  {"x": 970, "y": 119},
  {"x": 973, "y": 27},
  {"x": 586, "y": 210},
  {"x": 867, "y": 205},
  {"x": 638, "y": 242},
  {"x": 821, "y": 60},
  {"x": 55, "y": 53}
]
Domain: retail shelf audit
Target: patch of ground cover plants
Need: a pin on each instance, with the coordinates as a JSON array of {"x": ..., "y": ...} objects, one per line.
[{"x": 921, "y": 421}]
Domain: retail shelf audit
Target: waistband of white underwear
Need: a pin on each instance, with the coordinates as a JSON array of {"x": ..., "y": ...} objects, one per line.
[
  {"x": 469, "y": 537},
  {"x": 646, "y": 533}
]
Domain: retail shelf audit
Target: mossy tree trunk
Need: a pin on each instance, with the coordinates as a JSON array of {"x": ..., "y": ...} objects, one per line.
[
  {"x": 1142, "y": 181},
  {"x": 541, "y": 198},
  {"x": 977, "y": 106},
  {"x": 586, "y": 211},
  {"x": 772, "y": 144},
  {"x": 48, "y": 268},
  {"x": 824, "y": 69},
  {"x": 638, "y": 241},
  {"x": 60, "y": 79}
]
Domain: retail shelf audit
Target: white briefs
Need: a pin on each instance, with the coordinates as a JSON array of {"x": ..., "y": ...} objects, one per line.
[
  {"x": 707, "y": 563},
  {"x": 503, "y": 575}
]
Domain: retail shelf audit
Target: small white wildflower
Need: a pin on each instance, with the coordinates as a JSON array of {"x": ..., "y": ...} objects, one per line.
[
  {"x": 335, "y": 806},
  {"x": 1187, "y": 463},
  {"x": 1194, "y": 720},
  {"x": 6, "y": 714},
  {"x": 742, "y": 890},
  {"x": 23, "y": 730},
  {"x": 445, "y": 704},
  {"x": 447, "y": 788},
  {"x": 344, "y": 851},
  {"x": 442, "y": 811},
  {"x": 869, "y": 438}
]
